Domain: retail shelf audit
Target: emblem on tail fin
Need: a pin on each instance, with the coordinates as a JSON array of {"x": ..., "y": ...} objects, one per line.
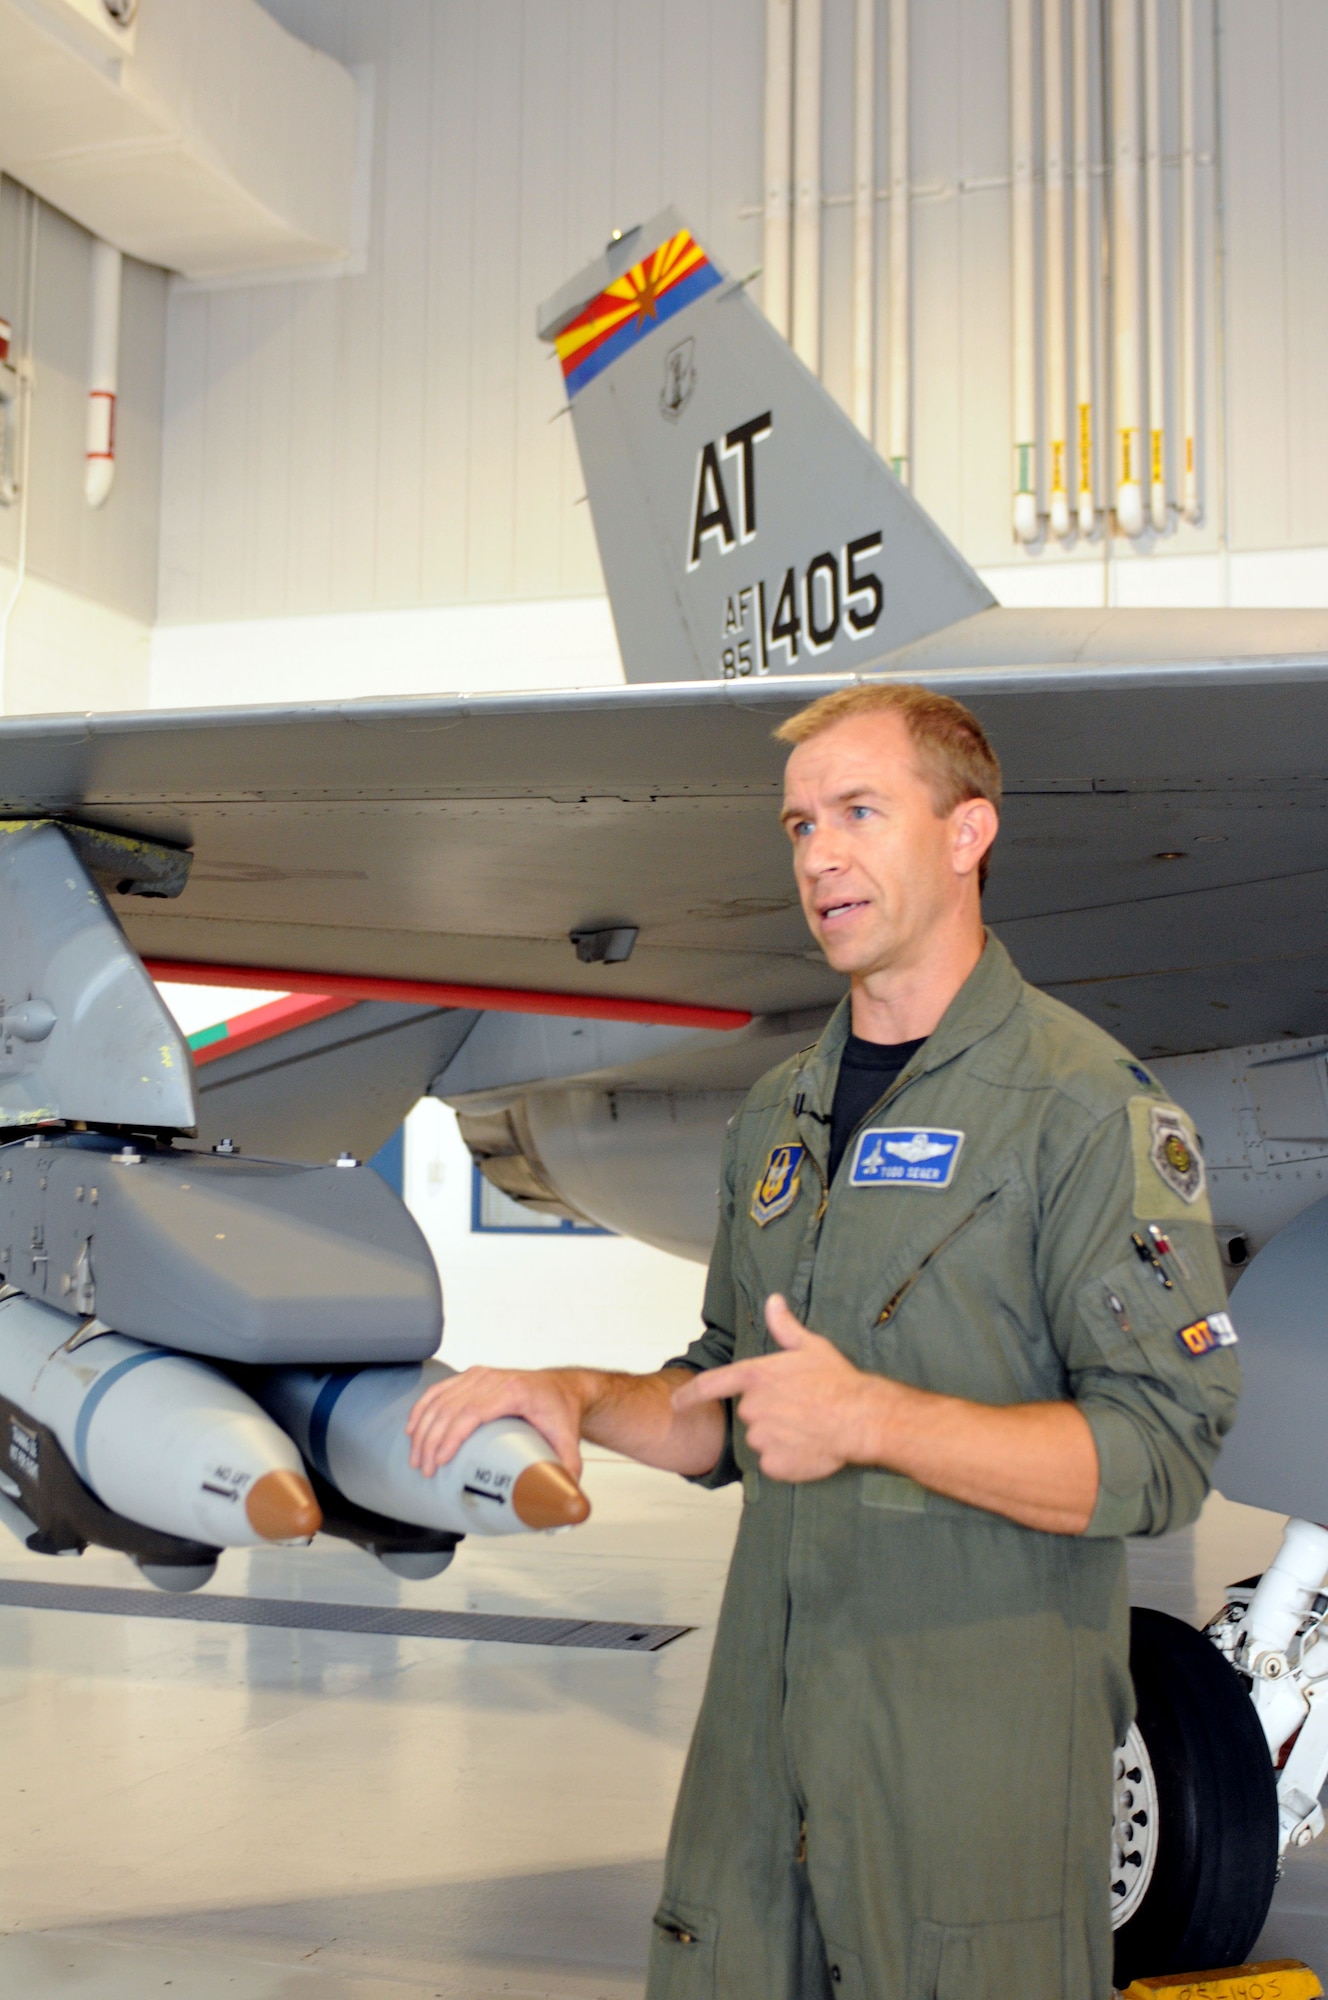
[
  {"x": 745, "y": 525},
  {"x": 679, "y": 380}
]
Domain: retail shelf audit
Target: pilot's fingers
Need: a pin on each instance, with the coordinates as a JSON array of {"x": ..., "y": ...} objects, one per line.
[
  {"x": 785, "y": 1327},
  {"x": 446, "y": 1414},
  {"x": 449, "y": 1413},
  {"x": 452, "y": 1389},
  {"x": 715, "y": 1385},
  {"x": 441, "y": 1436}
]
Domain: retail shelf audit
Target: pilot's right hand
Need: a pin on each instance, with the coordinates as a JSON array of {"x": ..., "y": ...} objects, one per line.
[{"x": 554, "y": 1400}]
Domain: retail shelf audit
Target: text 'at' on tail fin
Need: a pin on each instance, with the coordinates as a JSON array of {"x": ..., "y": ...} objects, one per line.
[{"x": 744, "y": 524}]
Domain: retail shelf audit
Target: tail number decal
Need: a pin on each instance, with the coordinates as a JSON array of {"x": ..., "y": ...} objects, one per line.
[{"x": 837, "y": 591}]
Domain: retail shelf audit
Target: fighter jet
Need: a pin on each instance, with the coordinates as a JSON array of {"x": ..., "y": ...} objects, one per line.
[{"x": 569, "y": 915}]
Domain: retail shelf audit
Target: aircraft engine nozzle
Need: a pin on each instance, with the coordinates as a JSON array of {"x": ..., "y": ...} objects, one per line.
[
  {"x": 547, "y": 1496},
  {"x": 281, "y": 1507}
]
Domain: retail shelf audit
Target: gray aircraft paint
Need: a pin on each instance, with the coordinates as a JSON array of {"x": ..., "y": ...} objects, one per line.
[
  {"x": 238, "y": 1259},
  {"x": 83, "y": 1031},
  {"x": 342, "y": 1084},
  {"x": 731, "y": 497},
  {"x": 463, "y": 837}
]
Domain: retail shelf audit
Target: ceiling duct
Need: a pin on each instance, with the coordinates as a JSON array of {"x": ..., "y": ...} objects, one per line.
[{"x": 194, "y": 134}]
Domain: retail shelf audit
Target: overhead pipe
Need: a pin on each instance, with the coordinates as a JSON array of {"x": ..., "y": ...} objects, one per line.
[
  {"x": 776, "y": 246},
  {"x": 1053, "y": 145},
  {"x": 899, "y": 442},
  {"x": 864, "y": 213},
  {"x": 807, "y": 183},
  {"x": 1159, "y": 511},
  {"x": 99, "y": 468},
  {"x": 1191, "y": 503},
  {"x": 1023, "y": 223},
  {"x": 1086, "y": 263},
  {"x": 1127, "y": 230}
]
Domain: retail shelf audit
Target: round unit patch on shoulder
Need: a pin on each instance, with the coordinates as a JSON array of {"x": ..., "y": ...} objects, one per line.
[
  {"x": 1170, "y": 1179},
  {"x": 1175, "y": 1154}
]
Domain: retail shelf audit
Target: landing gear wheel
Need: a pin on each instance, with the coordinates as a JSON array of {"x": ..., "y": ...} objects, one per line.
[{"x": 1194, "y": 1848}]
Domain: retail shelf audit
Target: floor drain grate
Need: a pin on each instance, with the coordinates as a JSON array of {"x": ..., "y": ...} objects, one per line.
[{"x": 386, "y": 1621}]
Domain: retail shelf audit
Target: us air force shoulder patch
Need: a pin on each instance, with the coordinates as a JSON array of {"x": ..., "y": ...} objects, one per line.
[
  {"x": 1169, "y": 1175},
  {"x": 1174, "y": 1153},
  {"x": 777, "y": 1189},
  {"x": 905, "y": 1156}
]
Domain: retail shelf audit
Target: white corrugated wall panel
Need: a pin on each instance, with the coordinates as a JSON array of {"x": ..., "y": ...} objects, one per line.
[
  {"x": 400, "y": 418},
  {"x": 385, "y": 439}
]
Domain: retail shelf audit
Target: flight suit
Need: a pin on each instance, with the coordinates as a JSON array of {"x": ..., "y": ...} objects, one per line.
[{"x": 900, "y": 1783}]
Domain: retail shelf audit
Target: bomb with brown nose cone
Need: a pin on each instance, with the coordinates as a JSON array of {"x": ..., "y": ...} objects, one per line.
[{"x": 350, "y": 1424}]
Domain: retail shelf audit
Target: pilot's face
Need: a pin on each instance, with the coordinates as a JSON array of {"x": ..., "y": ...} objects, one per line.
[{"x": 877, "y": 868}]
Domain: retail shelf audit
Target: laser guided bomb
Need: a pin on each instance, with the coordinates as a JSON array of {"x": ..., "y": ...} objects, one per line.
[
  {"x": 307, "y": 1289},
  {"x": 157, "y": 1438},
  {"x": 350, "y": 1424}
]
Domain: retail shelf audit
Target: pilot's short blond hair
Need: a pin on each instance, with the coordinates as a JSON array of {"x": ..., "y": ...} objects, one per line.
[{"x": 953, "y": 753}]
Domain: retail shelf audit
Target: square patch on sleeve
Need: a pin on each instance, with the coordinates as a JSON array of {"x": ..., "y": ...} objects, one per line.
[
  {"x": 905, "y": 1156},
  {"x": 1206, "y": 1334}
]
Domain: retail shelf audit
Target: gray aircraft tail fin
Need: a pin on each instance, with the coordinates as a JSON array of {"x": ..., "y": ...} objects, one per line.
[{"x": 744, "y": 524}]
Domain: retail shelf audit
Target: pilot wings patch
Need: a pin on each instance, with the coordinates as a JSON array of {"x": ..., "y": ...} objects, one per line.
[
  {"x": 905, "y": 1156},
  {"x": 777, "y": 1189}
]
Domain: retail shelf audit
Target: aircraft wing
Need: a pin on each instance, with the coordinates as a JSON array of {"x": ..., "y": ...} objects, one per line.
[{"x": 1163, "y": 862}]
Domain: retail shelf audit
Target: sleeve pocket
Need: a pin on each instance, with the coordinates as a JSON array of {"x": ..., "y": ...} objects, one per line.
[{"x": 1133, "y": 1321}]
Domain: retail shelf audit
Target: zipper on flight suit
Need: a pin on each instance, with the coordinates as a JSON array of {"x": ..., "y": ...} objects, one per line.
[{"x": 892, "y": 1303}]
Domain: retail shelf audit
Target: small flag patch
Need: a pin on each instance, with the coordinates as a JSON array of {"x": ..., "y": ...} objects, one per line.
[{"x": 1205, "y": 1334}]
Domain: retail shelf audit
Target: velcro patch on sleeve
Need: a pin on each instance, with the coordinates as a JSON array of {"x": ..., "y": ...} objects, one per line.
[
  {"x": 1170, "y": 1180},
  {"x": 1203, "y": 1335}
]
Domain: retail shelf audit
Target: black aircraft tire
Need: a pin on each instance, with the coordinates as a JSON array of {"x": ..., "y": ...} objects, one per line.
[{"x": 1216, "y": 1804}]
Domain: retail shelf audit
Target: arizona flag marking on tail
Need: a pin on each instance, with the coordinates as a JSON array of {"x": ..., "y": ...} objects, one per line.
[{"x": 651, "y": 292}]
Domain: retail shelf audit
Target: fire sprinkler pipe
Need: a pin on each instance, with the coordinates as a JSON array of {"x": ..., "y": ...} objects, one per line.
[
  {"x": 1159, "y": 512},
  {"x": 1053, "y": 141},
  {"x": 899, "y": 446},
  {"x": 807, "y": 184},
  {"x": 776, "y": 245},
  {"x": 1191, "y": 503},
  {"x": 1023, "y": 278},
  {"x": 864, "y": 213},
  {"x": 1085, "y": 264},
  {"x": 99, "y": 471},
  {"x": 1127, "y": 229}
]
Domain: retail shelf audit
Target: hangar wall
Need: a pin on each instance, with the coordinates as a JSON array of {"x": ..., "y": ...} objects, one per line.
[
  {"x": 385, "y": 441},
  {"x": 80, "y": 630}
]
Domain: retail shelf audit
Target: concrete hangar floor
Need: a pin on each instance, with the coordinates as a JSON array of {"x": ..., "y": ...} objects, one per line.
[{"x": 254, "y": 1811}]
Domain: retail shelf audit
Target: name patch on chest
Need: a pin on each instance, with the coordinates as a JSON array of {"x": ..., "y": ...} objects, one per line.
[
  {"x": 777, "y": 1189},
  {"x": 905, "y": 1156}
]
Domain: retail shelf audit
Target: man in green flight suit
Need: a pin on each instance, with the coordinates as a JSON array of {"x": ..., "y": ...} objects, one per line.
[{"x": 964, "y": 1330}]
